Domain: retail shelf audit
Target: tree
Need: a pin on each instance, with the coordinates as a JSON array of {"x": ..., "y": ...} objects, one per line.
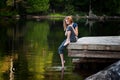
[
  {"x": 2, "y": 3},
  {"x": 57, "y": 5},
  {"x": 36, "y": 6},
  {"x": 109, "y": 7}
]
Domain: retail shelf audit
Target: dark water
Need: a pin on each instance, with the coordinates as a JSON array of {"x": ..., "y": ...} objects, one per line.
[{"x": 28, "y": 48}]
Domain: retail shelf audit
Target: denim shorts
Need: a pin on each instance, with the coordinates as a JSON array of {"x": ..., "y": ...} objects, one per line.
[{"x": 61, "y": 47}]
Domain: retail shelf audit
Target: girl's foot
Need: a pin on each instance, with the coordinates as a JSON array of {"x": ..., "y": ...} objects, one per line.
[
  {"x": 67, "y": 42},
  {"x": 62, "y": 67}
]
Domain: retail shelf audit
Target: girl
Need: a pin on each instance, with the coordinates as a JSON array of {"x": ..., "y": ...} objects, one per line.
[{"x": 71, "y": 32}]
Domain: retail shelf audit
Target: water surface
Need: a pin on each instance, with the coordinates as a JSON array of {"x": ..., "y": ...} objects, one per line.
[{"x": 28, "y": 48}]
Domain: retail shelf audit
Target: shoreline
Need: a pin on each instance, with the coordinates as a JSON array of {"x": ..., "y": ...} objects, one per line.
[{"x": 55, "y": 17}]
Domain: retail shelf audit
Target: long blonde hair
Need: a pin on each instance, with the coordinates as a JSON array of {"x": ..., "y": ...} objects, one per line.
[{"x": 64, "y": 22}]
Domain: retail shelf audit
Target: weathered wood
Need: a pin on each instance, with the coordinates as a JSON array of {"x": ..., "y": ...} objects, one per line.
[
  {"x": 95, "y": 47},
  {"x": 97, "y": 43},
  {"x": 98, "y": 60},
  {"x": 93, "y": 54}
]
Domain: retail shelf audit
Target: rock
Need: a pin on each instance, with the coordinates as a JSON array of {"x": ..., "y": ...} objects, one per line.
[{"x": 110, "y": 73}]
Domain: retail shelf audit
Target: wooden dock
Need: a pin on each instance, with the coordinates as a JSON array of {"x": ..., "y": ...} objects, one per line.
[{"x": 95, "y": 47}]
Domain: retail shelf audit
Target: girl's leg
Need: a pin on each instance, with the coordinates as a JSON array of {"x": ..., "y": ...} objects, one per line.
[
  {"x": 60, "y": 51},
  {"x": 62, "y": 60},
  {"x": 68, "y": 38}
]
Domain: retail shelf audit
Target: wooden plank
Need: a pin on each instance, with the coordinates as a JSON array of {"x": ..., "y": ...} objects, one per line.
[
  {"x": 93, "y": 54},
  {"x": 97, "y": 60},
  {"x": 109, "y": 43}
]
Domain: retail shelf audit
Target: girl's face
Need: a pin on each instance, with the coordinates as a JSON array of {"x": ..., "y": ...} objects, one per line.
[{"x": 67, "y": 21}]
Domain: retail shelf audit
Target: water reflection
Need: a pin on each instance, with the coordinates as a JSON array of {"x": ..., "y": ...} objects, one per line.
[
  {"x": 11, "y": 70},
  {"x": 35, "y": 49},
  {"x": 103, "y": 28},
  {"x": 62, "y": 74},
  {"x": 28, "y": 49}
]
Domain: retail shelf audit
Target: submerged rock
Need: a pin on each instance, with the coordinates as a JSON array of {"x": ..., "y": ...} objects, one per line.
[{"x": 110, "y": 73}]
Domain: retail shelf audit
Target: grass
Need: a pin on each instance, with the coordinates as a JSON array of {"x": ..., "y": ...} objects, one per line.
[{"x": 56, "y": 15}]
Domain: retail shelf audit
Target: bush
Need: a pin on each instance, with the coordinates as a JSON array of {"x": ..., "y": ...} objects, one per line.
[{"x": 7, "y": 12}]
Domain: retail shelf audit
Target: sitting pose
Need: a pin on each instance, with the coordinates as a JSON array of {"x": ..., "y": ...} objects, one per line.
[{"x": 71, "y": 32}]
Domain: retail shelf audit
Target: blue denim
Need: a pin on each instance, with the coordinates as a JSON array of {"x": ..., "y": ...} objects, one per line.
[
  {"x": 72, "y": 39},
  {"x": 61, "y": 47}
]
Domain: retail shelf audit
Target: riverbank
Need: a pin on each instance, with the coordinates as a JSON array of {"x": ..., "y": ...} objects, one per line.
[{"x": 58, "y": 16}]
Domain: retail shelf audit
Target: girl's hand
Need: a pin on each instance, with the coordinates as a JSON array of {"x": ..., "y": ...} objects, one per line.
[
  {"x": 72, "y": 27},
  {"x": 65, "y": 33}
]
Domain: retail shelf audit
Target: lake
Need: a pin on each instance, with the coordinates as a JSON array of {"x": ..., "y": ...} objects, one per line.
[{"x": 28, "y": 48}]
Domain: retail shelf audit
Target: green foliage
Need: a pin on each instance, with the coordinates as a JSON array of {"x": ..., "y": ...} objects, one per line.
[
  {"x": 7, "y": 13},
  {"x": 36, "y": 6},
  {"x": 106, "y": 6},
  {"x": 69, "y": 7},
  {"x": 9, "y": 2},
  {"x": 56, "y": 16},
  {"x": 2, "y": 4}
]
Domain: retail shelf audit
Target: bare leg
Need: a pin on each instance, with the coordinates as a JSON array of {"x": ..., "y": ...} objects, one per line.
[
  {"x": 62, "y": 60},
  {"x": 68, "y": 38}
]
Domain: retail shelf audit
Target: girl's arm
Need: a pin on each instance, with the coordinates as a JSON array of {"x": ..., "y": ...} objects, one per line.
[{"x": 75, "y": 30}]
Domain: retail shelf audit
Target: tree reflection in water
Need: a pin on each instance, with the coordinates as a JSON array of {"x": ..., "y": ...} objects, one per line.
[{"x": 33, "y": 47}]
